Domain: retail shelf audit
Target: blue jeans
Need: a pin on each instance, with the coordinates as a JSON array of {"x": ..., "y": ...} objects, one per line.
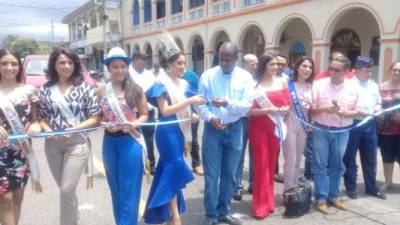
[
  {"x": 329, "y": 149},
  {"x": 364, "y": 139},
  {"x": 221, "y": 154},
  {"x": 239, "y": 171}
]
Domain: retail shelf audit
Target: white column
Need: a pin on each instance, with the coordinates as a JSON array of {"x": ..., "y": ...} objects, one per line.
[
  {"x": 389, "y": 53},
  {"x": 320, "y": 54},
  {"x": 154, "y": 13}
]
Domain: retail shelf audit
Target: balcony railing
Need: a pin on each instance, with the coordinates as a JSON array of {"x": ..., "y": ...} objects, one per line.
[
  {"x": 249, "y": 3},
  {"x": 161, "y": 23},
  {"x": 176, "y": 19},
  {"x": 147, "y": 26},
  {"x": 136, "y": 29},
  {"x": 196, "y": 13},
  {"x": 221, "y": 7}
]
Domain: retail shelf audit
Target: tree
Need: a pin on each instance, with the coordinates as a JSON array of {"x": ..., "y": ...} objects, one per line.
[
  {"x": 8, "y": 41},
  {"x": 25, "y": 46}
]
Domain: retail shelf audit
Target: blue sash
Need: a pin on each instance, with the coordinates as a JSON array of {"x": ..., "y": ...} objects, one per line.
[{"x": 297, "y": 105}]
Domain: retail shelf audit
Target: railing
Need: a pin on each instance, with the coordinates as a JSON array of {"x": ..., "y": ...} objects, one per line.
[
  {"x": 136, "y": 29},
  {"x": 147, "y": 26},
  {"x": 221, "y": 7},
  {"x": 249, "y": 3},
  {"x": 196, "y": 13},
  {"x": 175, "y": 19},
  {"x": 161, "y": 23}
]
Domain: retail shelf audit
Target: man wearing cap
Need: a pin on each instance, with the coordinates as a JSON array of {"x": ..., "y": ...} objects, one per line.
[
  {"x": 145, "y": 79},
  {"x": 334, "y": 105},
  {"x": 363, "y": 138}
]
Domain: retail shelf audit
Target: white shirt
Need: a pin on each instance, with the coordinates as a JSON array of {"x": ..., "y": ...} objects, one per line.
[
  {"x": 370, "y": 99},
  {"x": 144, "y": 79}
]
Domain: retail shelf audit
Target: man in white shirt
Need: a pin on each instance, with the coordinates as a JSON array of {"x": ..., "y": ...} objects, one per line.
[{"x": 145, "y": 79}]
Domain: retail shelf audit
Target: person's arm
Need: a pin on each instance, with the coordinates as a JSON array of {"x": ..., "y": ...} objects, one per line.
[
  {"x": 242, "y": 106},
  {"x": 203, "y": 90},
  {"x": 167, "y": 110}
]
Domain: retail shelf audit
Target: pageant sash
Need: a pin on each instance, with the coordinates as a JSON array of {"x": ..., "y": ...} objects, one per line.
[
  {"x": 73, "y": 120},
  {"x": 177, "y": 94},
  {"x": 16, "y": 125},
  {"x": 297, "y": 104},
  {"x": 280, "y": 127},
  {"x": 116, "y": 109}
]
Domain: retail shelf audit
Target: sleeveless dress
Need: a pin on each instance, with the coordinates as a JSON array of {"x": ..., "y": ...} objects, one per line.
[
  {"x": 14, "y": 169},
  {"x": 265, "y": 147},
  {"x": 172, "y": 173}
]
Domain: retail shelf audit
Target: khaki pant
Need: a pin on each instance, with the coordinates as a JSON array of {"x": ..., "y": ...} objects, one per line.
[{"x": 67, "y": 160}]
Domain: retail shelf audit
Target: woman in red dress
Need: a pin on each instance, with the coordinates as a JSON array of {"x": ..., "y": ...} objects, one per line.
[{"x": 270, "y": 105}]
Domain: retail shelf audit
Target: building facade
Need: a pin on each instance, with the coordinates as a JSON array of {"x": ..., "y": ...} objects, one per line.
[
  {"x": 86, "y": 30},
  {"x": 293, "y": 27}
]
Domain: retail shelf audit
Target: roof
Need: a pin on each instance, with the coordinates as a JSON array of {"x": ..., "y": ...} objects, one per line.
[{"x": 77, "y": 12}]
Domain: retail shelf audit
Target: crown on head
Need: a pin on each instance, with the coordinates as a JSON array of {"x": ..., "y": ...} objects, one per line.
[{"x": 168, "y": 46}]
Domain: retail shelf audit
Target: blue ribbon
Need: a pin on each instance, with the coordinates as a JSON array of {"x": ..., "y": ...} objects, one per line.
[
  {"x": 297, "y": 105},
  {"x": 16, "y": 137},
  {"x": 364, "y": 121}
]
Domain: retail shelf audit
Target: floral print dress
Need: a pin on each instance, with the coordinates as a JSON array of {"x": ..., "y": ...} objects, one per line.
[{"x": 14, "y": 169}]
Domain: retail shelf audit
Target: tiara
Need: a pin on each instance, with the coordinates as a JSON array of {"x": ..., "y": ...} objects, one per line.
[{"x": 167, "y": 45}]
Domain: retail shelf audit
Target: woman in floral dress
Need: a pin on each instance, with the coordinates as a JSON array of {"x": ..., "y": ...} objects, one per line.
[{"x": 14, "y": 170}]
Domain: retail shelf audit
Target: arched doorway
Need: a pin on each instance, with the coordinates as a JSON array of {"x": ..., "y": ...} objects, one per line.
[
  {"x": 198, "y": 55},
  {"x": 179, "y": 43},
  {"x": 347, "y": 42},
  {"x": 220, "y": 37},
  {"x": 253, "y": 41},
  {"x": 149, "y": 53}
]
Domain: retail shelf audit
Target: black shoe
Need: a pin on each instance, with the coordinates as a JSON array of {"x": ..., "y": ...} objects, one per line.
[
  {"x": 237, "y": 196},
  {"x": 229, "y": 220},
  {"x": 278, "y": 178},
  {"x": 378, "y": 194},
  {"x": 351, "y": 194}
]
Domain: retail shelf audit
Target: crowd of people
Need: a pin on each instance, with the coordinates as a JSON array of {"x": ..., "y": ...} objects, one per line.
[{"x": 266, "y": 104}]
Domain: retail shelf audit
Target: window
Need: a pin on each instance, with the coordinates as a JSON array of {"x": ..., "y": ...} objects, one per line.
[
  {"x": 147, "y": 10},
  {"x": 160, "y": 9},
  {"x": 176, "y": 6},
  {"x": 136, "y": 13},
  {"x": 195, "y": 3}
]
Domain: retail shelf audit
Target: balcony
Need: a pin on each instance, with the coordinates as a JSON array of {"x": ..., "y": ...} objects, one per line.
[
  {"x": 147, "y": 26},
  {"x": 196, "y": 13},
  {"x": 250, "y": 3},
  {"x": 176, "y": 19},
  {"x": 221, "y": 7},
  {"x": 161, "y": 23}
]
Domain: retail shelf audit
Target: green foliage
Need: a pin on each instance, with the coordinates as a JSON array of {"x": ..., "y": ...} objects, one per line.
[{"x": 23, "y": 46}]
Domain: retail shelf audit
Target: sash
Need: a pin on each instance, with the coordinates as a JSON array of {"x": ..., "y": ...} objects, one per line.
[
  {"x": 73, "y": 120},
  {"x": 177, "y": 94},
  {"x": 116, "y": 109},
  {"x": 297, "y": 105},
  {"x": 16, "y": 125},
  {"x": 280, "y": 127}
]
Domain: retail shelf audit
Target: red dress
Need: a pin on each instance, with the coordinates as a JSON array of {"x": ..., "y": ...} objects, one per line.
[{"x": 265, "y": 146}]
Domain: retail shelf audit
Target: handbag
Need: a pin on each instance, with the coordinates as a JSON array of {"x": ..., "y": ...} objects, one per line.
[{"x": 297, "y": 200}]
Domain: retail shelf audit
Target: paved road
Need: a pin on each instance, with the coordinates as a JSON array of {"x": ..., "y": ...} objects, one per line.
[{"x": 95, "y": 204}]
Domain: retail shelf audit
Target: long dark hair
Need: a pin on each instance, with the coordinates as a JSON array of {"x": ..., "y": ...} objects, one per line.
[
  {"x": 4, "y": 52},
  {"x": 263, "y": 60},
  {"x": 52, "y": 75},
  {"x": 133, "y": 93},
  {"x": 299, "y": 61}
]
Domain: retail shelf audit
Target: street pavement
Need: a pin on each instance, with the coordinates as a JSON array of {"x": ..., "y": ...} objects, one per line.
[{"x": 95, "y": 204}]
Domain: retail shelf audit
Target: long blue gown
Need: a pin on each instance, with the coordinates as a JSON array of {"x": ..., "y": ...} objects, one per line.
[{"x": 172, "y": 173}]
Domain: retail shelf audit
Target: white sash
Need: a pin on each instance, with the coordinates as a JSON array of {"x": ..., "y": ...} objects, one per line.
[
  {"x": 116, "y": 109},
  {"x": 17, "y": 128},
  {"x": 264, "y": 102},
  {"x": 73, "y": 120},
  {"x": 177, "y": 94}
]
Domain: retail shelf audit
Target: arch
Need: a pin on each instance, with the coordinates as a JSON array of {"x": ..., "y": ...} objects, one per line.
[
  {"x": 342, "y": 11},
  {"x": 246, "y": 27},
  {"x": 190, "y": 41},
  {"x": 179, "y": 43},
  {"x": 135, "y": 47},
  {"x": 219, "y": 33},
  {"x": 252, "y": 39},
  {"x": 148, "y": 50},
  {"x": 197, "y": 56},
  {"x": 282, "y": 25}
]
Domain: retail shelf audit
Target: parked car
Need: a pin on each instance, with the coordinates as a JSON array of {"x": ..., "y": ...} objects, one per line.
[{"x": 35, "y": 67}]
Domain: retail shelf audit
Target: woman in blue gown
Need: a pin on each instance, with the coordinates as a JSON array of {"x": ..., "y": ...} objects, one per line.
[{"x": 173, "y": 97}]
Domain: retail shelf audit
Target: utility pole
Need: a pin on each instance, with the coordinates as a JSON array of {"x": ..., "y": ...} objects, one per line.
[
  {"x": 105, "y": 19},
  {"x": 52, "y": 34}
]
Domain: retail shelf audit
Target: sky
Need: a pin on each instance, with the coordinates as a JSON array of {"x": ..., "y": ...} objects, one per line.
[{"x": 32, "y": 18}]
